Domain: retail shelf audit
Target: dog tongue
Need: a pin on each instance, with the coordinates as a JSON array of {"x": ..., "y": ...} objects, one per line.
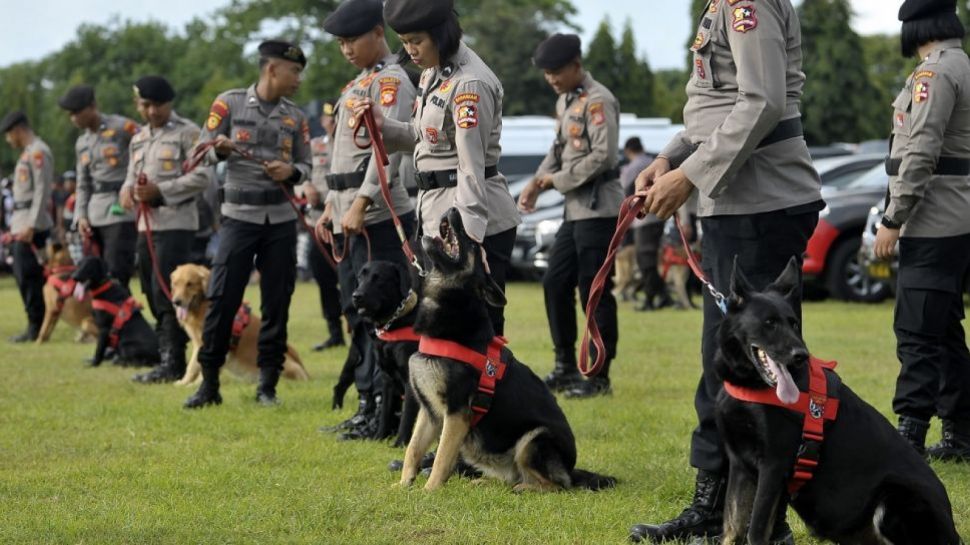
[
  {"x": 181, "y": 313},
  {"x": 79, "y": 291},
  {"x": 786, "y": 390}
]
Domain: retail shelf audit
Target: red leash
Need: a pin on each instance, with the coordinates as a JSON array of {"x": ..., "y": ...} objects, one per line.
[{"x": 145, "y": 212}]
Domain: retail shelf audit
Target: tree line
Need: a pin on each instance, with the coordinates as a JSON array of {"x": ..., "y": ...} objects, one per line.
[{"x": 851, "y": 79}]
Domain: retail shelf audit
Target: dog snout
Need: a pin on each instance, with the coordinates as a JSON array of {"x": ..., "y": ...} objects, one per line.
[
  {"x": 177, "y": 302},
  {"x": 357, "y": 298},
  {"x": 799, "y": 356}
]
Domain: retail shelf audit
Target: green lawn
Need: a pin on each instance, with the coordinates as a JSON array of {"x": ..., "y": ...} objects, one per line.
[{"x": 86, "y": 456}]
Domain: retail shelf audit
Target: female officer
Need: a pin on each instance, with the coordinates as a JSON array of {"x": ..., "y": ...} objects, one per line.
[
  {"x": 454, "y": 132},
  {"x": 929, "y": 203}
]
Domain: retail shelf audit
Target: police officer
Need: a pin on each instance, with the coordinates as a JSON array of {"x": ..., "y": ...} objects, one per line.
[
  {"x": 156, "y": 179},
  {"x": 315, "y": 191},
  {"x": 582, "y": 166},
  {"x": 102, "y": 162},
  {"x": 31, "y": 222},
  {"x": 454, "y": 133},
  {"x": 928, "y": 211},
  {"x": 759, "y": 198},
  {"x": 354, "y": 203},
  {"x": 259, "y": 225}
]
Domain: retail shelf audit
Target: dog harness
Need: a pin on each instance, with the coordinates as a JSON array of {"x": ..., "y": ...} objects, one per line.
[
  {"x": 401, "y": 334},
  {"x": 122, "y": 313},
  {"x": 815, "y": 405},
  {"x": 239, "y": 323},
  {"x": 64, "y": 286},
  {"x": 490, "y": 367},
  {"x": 670, "y": 258}
]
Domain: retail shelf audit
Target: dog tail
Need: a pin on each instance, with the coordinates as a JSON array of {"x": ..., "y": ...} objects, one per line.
[{"x": 591, "y": 481}]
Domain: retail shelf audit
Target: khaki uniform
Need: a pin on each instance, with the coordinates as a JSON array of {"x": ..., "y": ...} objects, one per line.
[
  {"x": 159, "y": 153},
  {"x": 456, "y": 127},
  {"x": 33, "y": 179},
  {"x": 278, "y": 134},
  {"x": 320, "y": 167},
  {"x": 583, "y": 157},
  {"x": 746, "y": 80},
  {"x": 388, "y": 85},
  {"x": 931, "y": 130},
  {"x": 102, "y": 162}
]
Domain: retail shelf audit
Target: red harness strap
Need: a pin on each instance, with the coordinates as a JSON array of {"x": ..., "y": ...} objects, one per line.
[
  {"x": 239, "y": 323},
  {"x": 122, "y": 314},
  {"x": 402, "y": 334},
  {"x": 64, "y": 286},
  {"x": 490, "y": 367},
  {"x": 817, "y": 407}
]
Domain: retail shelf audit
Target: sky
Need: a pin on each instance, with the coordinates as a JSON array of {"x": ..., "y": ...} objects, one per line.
[{"x": 660, "y": 36}]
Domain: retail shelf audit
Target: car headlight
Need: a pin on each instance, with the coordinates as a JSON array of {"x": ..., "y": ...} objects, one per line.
[{"x": 874, "y": 211}]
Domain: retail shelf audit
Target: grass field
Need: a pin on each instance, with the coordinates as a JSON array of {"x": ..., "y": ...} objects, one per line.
[{"x": 86, "y": 456}]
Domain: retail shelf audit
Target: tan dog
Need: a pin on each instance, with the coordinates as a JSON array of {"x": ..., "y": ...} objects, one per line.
[
  {"x": 189, "y": 283},
  {"x": 59, "y": 302},
  {"x": 625, "y": 279}
]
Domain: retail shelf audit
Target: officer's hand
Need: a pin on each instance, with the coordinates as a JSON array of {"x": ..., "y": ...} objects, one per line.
[
  {"x": 126, "y": 198},
  {"x": 668, "y": 193},
  {"x": 529, "y": 196},
  {"x": 324, "y": 224},
  {"x": 278, "y": 170},
  {"x": 656, "y": 169},
  {"x": 147, "y": 192},
  {"x": 353, "y": 221},
  {"x": 311, "y": 194},
  {"x": 223, "y": 145},
  {"x": 84, "y": 227},
  {"x": 886, "y": 239},
  {"x": 27, "y": 235},
  {"x": 365, "y": 104}
]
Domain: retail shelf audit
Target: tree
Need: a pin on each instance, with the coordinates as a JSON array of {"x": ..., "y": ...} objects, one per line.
[
  {"x": 669, "y": 96},
  {"x": 635, "y": 90},
  {"x": 601, "y": 56},
  {"x": 887, "y": 70}
]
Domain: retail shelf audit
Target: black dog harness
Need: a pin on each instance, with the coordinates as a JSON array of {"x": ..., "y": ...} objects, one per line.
[
  {"x": 122, "y": 313},
  {"x": 490, "y": 367},
  {"x": 815, "y": 405}
]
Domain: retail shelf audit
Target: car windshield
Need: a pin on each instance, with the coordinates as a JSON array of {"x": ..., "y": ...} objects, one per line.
[{"x": 876, "y": 177}]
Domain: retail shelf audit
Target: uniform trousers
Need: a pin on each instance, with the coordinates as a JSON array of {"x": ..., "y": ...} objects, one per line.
[
  {"x": 171, "y": 251},
  {"x": 117, "y": 243},
  {"x": 29, "y": 274}
]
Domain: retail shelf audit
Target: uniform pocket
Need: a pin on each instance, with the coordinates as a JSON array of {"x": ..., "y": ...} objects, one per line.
[
  {"x": 433, "y": 128},
  {"x": 702, "y": 74},
  {"x": 901, "y": 112}
]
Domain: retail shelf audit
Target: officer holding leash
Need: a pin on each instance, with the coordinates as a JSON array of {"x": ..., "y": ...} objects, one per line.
[{"x": 259, "y": 224}]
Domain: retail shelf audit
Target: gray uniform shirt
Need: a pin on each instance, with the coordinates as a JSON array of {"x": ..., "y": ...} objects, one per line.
[
  {"x": 102, "y": 157},
  {"x": 280, "y": 134},
  {"x": 931, "y": 119},
  {"x": 33, "y": 179},
  {"x": 159, "y": 153},
  {"x": 585, "y": 148},
  {"x": 746, "y": 78},
  {"x": 388, "y": 86},
  {"x": 456, "y": 126},
  {"x": 320, "y": 164}
]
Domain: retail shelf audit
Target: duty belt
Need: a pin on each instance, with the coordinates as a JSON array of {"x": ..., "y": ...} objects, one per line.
[
  {"x": 946, "y": 166},
  {"x": 347, "y": 180},
  {"x": 607, "y": 176},
  {"x": 255, "y": 197},
  {"x": 789, "y": 128},
  {"x": 107, "y": 187},
  {"x": 22, "y": 205},
  {"x": 437, "y": 179}
]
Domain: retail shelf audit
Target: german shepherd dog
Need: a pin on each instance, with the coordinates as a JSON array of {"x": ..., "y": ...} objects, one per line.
[
  {"x": 137, "y": 343},
  {"x": 62, "y": 306},
  {"x": 870, "y": 487},
  {"x": 524, "y": 438},
  {"x": 387, "y": 297}
]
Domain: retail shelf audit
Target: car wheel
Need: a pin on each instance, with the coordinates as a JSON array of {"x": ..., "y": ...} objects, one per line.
[{"x": 846, "y": 278}]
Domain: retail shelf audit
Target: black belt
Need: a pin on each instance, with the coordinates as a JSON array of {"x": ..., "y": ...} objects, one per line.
[
  {"x": 437, "y": 179},
  {"x": 107, "y": 187},
  {"x": 256, "y": 197},
  {"x": 22, "y": 205},
  {"x": 607, "y": 176},
  {"x": 347, "y": 180},
  {"x": 789, "y": 128},
  {"x": 946, "y": 166}
]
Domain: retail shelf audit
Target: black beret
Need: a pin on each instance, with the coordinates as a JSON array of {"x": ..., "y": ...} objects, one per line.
[
  {"x": 406, "y": 16},
  {"x": 921, "y": 9},
  {"x": 77, "y": 98},
  {"x": 282, "y": 50},
  {"x": 154, "y": 88},
  {"x": 11, "y": 120},
  {"x": 354, "y": 18},
  {"x": 557, "y": 51}
]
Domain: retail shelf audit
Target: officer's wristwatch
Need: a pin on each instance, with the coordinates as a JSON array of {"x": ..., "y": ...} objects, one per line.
[{"x": 886, "y": 222}]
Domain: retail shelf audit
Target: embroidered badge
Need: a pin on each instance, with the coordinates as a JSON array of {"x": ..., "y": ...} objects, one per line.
[
  {"x": 575, "y": 130},
  {"x": 577, "y": 143},
  {"x": 732, "y": 2},
  {"x": 431, "y": 134},
  {"x": 38, "y": 159},
  {"x": 921, "y": 92},
  {"x": 366, "y": 81},
  {"x": 131, "y": 127},
  {"x": 714, "y": 5},
  {"x": 445, "y": 86},
  {"x": 217, "y": 113},
  {"x": 466, "y": 97},
  {"x": 467, "y": 116},
  {"x": 305, "y": 131},
  {"x": 923, "y": 74},
  {"x": 900, "y": 120},
  {"x": 744, "y": 19},
  {"x": 596, "y": 115},
  {"x": 699, "y": 64},
  {"x": 289, "y": 122},
  {"x": 242, "y": 135},
  {"x": 348, "y": 86},
  {"x": 108, "y": 133},
  {"x": 168, "y": 165},
  {"x": 85, "y": 158},
  {"x": 698, "y": 41},
  {"x": 388, "y": 95}
]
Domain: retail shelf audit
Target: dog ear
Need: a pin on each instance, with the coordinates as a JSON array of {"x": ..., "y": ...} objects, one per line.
[
  {"x": 404, "y": 275},
  {"x": 788, "y": 281},
  {"x": 494, "y": 295},
  {"x": 741, "y": 289}
]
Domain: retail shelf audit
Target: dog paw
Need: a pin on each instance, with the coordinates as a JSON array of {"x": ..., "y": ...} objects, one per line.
[{"x": 402, "y": 484}]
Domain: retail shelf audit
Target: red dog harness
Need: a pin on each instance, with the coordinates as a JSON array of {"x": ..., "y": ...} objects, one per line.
[
  {"x": 817, "y": 407},
  {"x": 490, "y": 367},
  {"x": 239, "y": 323},
  {"x": 401, "y": 334},
  {"x": 122, "y": 313},
  {"x": 64, "y": 286}
]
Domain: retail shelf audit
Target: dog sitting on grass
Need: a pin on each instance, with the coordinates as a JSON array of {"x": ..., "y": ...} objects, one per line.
[{"x": 58, "y": 301}]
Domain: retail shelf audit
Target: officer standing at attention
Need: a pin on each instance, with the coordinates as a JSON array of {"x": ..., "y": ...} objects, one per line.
[
  {"x": 102, "y": 163},
  {"x": 759, "y": 199},
  {"x": 155, "y": 178},
  {"x": 258, "y": 222},
  {"x": 582, "y": 166},
  {"x": 315, "y": 191},
  {"x": 454, "y": 133},
  {"x": 929, "y": 215},
  {"x": 31, "y": 223}
]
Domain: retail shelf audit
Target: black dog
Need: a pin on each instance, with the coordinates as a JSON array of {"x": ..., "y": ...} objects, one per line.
[
  {"x": 136, "y": 342},
  {"x": 387, "y": 297},
  {"x": 870, "y": 485},
  {"x": 524, "y": 437}
]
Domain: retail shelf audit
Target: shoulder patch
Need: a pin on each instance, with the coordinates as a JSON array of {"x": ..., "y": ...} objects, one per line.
[
  {"x": 289, "y": 122},
  {"x": 467, "y": 97},
  {"x": 130, "y": 127},
  {"x": 467, "y": 115},
  {"x": 38, "y": 159},
  {"x": 744, "y": 19},
  {"x": 596, "y": 115},
  {"x": 388, "y": 91},
  {"x": 921, "y": 91},
  {"x": 217, "y": 113},
  {"x": 924, "y": 74}
]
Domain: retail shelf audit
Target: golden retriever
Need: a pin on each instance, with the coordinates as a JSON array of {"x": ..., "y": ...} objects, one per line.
[{"x": 59, "y": 302}]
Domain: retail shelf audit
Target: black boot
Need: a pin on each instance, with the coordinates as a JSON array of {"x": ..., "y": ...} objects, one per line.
[
  {"x": 702, "y": 518},
  {"x": 208, "y": 393},
  {"x": 164, "y": 372},
  {"x": 336, "y": 337},
  {"x": 365, "y": 410},
  {"x": 29, "y": 335},
  {"x": 592, "y": 387},
  {"x": 266, "y": 390},
  {"x": 366, "y": 428},
  {"x": 913, "y": 431},
  {"x": 564, "y": 375},
  {"x": 955, "y": 445}
]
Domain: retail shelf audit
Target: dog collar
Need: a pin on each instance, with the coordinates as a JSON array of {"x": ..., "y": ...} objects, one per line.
[
  {"x": 406, "y": 306},
  {"x": 489, "y": 365},
  {"x": 401, "y": 334},
  {"x": 101, "y": 289}
]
